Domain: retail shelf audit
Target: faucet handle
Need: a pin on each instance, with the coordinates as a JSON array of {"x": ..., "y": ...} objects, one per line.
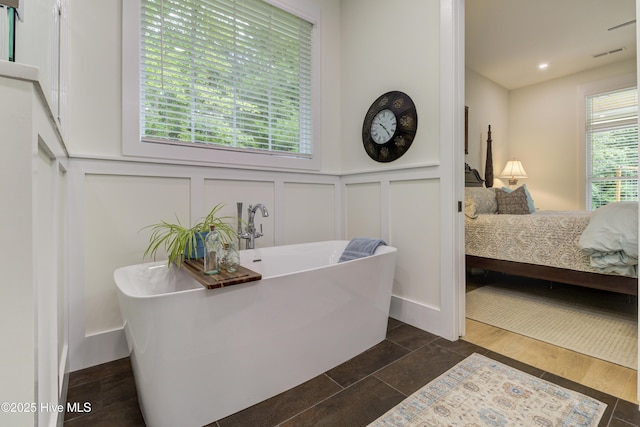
[{"x": 260, "y": 233}]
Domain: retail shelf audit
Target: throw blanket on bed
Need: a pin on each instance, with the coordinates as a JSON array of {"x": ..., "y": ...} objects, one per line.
[
  {"x": 360, "y": 247},
  {"x": 611, "y": 238}
]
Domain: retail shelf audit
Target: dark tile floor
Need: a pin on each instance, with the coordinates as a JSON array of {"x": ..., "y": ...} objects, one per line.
[{"x": 352, "y": 394}]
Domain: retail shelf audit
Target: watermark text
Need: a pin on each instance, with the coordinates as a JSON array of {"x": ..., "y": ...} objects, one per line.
[{"x": 31, "y": 407}]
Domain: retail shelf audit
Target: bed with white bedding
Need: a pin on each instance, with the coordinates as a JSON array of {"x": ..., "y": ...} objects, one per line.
[{"x": 596, "y": 249}]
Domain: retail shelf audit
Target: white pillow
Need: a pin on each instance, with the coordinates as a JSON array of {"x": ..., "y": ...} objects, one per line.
[{"x": 479, "y": 200}]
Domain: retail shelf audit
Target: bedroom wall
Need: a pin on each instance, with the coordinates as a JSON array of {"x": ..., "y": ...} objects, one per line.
[
  {"x": 544, "y": 133},
  {"x": 488, "y": 104}
]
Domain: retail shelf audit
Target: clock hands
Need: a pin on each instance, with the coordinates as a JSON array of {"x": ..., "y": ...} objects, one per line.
[
  {"x": 385, "y": 128},
  {"x": 383, "y": 120}
]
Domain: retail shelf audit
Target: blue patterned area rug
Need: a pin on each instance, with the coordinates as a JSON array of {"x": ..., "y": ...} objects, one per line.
[{"x": 482, "y": 392}]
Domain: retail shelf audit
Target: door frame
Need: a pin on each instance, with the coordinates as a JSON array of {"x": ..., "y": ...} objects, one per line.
[{"x": 452, "y": 92}]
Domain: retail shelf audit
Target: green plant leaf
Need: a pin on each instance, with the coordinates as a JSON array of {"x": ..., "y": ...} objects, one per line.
[{"x": 174, "y": 237}]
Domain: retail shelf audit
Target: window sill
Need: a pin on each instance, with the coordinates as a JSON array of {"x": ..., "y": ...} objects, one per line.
[{"x": 217, "y": 156}]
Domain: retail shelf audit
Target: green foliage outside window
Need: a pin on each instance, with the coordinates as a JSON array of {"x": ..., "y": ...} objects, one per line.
[
  {"x": 611, "y": 124},
  {"x": 614, "y": 166}
]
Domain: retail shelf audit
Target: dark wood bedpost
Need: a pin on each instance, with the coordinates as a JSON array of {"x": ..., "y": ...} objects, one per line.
[{"x": 488, "y": 168}]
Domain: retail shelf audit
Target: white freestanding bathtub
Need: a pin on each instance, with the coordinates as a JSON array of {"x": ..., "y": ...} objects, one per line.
[{"x": 199, "y": 355}]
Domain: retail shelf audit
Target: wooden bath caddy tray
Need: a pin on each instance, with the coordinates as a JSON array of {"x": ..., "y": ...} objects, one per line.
[{"x": 195, "y": 267}]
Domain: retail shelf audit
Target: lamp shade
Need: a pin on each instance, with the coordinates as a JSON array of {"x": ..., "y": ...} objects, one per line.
[{"x": 513, "y": 169}]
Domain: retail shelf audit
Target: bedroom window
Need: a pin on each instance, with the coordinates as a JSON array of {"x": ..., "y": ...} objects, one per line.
[
  {"x": 235, "y": 76},
  {"x": 612, "y": 147}
]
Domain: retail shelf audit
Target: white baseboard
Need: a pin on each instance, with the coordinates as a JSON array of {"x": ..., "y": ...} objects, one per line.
[
  {"x": 417, "y": 314},
  {"x": 100, "y": 348}
]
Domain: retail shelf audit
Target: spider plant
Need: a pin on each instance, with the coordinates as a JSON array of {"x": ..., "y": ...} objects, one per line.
[{"x": 180, "y": 241}]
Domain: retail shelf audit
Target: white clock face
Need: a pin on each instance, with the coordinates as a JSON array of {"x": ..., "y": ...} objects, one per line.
[{"x": 383, "y": 126}]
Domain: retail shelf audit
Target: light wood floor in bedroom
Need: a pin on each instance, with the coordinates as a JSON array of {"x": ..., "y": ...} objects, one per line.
[{"x": 613, "y": 379}]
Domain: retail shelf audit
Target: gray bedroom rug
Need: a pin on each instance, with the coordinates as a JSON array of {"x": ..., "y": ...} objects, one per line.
[
  {"x": 482, "y": 392},
  {"x": 597, "y": 324}
]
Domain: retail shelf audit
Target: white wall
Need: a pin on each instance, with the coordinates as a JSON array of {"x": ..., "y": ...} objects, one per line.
[
  {"x": 488, "y": 104},
  {"x": 406, "y": 202},
  {"x": 544, "y": 133},
  {"x": 376, "y": 59}
]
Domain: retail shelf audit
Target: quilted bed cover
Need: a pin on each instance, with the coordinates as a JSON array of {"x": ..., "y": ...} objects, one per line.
[{"x": 547, "y": 238}]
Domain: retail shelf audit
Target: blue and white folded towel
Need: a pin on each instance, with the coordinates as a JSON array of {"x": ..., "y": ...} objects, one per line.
[{"x": 360, "y": 247}]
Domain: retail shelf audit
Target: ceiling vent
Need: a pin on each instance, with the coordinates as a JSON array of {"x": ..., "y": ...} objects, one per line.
[
  {"x": 610, "y": 52},
  {"x": 624, "y": 24}
]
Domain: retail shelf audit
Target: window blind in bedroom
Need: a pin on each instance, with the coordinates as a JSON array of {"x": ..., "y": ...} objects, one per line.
[{"x": 612, "y": 146}]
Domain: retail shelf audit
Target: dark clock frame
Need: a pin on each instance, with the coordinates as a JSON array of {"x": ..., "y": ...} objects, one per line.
[{"x": 404, "y": 109}]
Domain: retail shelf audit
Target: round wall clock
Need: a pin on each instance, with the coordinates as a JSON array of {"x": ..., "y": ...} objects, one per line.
[{"x": 389, "y": 126}]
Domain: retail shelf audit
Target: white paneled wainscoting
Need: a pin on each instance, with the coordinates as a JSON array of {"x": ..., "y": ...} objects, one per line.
[
  {"x": 111, "y": 201},
  {"x": 33, "y": 288}
]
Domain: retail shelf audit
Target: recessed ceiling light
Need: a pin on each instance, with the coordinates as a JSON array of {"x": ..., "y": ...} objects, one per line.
[{"x": 543, "y": 66}]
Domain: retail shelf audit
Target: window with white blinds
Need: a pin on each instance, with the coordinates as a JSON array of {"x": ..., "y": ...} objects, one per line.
[
  {"x": 233, "y": 74},
  {"x": 612, "y": 147}
]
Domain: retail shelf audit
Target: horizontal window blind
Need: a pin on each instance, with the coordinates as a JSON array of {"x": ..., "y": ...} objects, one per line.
[
  {"x": 612, "y": 146},
  {"x": 226, "y": 73}
]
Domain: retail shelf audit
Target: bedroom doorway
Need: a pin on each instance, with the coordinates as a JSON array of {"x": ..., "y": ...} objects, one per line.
[{"x": 479, "y": 117}]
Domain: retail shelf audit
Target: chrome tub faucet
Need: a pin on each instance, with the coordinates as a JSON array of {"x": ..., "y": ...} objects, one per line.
[{"x": 251, "y": 234}]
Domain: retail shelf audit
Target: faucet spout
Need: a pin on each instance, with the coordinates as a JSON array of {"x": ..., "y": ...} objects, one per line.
[{"x": 254, "y": 208}]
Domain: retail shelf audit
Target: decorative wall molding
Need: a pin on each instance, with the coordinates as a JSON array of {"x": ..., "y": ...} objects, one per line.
[{"x": 92, "y": 349}]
